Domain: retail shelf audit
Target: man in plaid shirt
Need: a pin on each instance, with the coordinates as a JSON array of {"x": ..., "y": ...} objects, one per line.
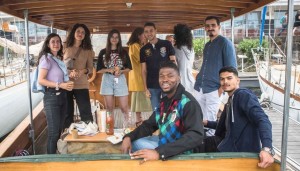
[{"x": 179, "y": 120}]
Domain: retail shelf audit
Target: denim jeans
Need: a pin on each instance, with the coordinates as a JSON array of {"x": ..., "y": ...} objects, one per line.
[
  {"x": 55, "y": 109},
  {"x": 155, "y": 97},
  {"x": 82, "y": 98},
  {"x": 150, "y": 142}
]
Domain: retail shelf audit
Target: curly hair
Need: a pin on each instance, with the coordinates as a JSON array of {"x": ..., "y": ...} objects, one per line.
[
  {"x": 86, "y": 43},
  {"x": 183, "y": 36},
  {"x": 46, "y": 49}
]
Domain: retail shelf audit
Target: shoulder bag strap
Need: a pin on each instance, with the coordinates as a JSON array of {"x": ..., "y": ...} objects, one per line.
[{"x": 77, "y": 53}]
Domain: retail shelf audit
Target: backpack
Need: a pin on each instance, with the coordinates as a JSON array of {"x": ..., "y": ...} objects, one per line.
[
  {"x": 35, "y": 86},
  {"x": 282, "y": 20}
]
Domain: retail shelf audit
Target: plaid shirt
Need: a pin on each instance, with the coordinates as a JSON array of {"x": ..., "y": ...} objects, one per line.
[
  {"x": 170, "y": 123},
  {"x": 180, "y": 131}
]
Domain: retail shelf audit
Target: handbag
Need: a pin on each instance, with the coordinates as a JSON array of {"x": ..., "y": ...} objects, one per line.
[
  {"x": 101, "y": 117},
  {"x": 35, "y": 86},
  {"x": 70, "y": 61}
]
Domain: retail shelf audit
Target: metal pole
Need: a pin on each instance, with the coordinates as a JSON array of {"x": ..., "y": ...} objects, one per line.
[
  {"x": 205, "y": 36},
  {"x": 270, "y": 13},
  {"x": 51, "y": 28},
  {"x": 31, "y": 131},
  {"x": 5, "y": 51},
  {"x": 287, "y": 85},
  {"x": 223, "y": 29},
  {"x": 232, "y": 10},
  {"x": 246, "y": 23},
  {"x": 35, "y": 33}
]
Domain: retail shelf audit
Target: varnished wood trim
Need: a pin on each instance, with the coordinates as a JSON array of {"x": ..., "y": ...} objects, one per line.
[
  {"x": 234, "y": 164},
  {"x": 297, "y": 98}
]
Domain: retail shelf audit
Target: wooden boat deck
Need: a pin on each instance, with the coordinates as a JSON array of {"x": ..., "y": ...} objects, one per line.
[
  {"x": 275, "y": 117},
  {"x": 293, "y": 147}
]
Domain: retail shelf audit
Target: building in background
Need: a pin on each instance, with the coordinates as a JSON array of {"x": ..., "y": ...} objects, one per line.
[{"x": 248, "y": 25}]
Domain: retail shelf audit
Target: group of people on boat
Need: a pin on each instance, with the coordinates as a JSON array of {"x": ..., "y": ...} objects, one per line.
[{"x": 160, "y": 78}]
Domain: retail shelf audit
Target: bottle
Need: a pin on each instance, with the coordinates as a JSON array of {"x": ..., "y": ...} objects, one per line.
[
  {"x": 128, "y": 124},
  {"x": 109, "y": 123},
  {"x": 131, "y": 123}
]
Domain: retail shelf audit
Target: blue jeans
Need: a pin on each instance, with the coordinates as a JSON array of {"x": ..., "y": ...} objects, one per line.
[
  {"x": 150, "y": 142},
  {"x": 155, "y": 97},
  {"x": 55, "y": 109}
]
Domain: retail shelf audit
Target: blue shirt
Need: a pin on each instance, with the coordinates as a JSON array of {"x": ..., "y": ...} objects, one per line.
[{"x": 216, "y": 54}]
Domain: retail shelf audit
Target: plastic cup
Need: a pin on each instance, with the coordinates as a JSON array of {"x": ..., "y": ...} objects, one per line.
[{"x": 74, "y": 133}]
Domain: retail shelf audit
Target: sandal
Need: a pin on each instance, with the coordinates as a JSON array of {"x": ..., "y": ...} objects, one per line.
[{"x": 139, "y": 123}]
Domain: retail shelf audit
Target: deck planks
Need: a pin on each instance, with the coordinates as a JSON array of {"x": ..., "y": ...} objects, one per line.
[{"x": 293, "y": 150}]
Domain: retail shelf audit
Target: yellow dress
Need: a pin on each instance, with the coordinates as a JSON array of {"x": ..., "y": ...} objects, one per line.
[
  {"x": 135, "y": 79},
  {"x": 139, "y": 101}
]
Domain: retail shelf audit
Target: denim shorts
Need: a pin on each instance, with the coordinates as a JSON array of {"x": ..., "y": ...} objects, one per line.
[{"x": 111, "y": 86}]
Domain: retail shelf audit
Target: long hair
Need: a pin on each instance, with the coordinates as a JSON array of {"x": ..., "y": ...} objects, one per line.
[
  {"x": 183, "y": 36},
  {"x": 134, "y": 38},
  {"x": 119, "y": 46},
  {"x": 46, "y": 49},
  {"x": 86, "y": 43}
]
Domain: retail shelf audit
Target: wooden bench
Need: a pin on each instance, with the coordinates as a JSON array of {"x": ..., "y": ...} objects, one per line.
[{"x": 92, "y": 145}]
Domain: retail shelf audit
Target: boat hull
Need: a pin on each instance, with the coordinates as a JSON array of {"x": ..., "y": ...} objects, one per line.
[
  {"x": 273, "y": 88},
  {"x": 19, "y": 137},
  {"x": 14, "y": 106}
]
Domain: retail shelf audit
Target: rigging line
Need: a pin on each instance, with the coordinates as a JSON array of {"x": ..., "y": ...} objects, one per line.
[
  {"x": 282, "y": 106},
  {"x": 291, "y": 161},
  {"x": 280, "y": 112}
]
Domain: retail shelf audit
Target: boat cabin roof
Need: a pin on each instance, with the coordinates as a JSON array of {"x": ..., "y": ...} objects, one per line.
[{"x": 102, "y": 16}]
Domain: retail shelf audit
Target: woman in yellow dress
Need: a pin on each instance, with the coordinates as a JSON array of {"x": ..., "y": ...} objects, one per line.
[{"x": 139, "y": 101}]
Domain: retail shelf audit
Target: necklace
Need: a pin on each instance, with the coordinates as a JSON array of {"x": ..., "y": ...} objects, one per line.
[{"x": 164, "y": 112}]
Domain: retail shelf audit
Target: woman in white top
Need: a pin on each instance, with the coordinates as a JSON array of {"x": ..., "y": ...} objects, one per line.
[{"x": 185, "y": 55}]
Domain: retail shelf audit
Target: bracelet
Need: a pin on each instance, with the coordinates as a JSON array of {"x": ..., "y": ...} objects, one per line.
[{"x": 57, "y": 86}]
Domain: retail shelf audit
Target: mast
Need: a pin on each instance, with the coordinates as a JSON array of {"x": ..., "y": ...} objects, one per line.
[
  {"x": 31, "y": 131},
  {"x": 287, "y": 86}
]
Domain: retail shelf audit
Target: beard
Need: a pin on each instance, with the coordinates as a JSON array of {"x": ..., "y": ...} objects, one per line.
[{"x": 210, "y": 33}]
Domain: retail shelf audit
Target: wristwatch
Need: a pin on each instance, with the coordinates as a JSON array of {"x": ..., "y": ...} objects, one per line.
[{"x": 269, "y": 150}]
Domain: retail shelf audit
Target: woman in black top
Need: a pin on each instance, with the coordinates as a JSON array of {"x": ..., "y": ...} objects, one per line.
[{"x": 113, "y": 62}]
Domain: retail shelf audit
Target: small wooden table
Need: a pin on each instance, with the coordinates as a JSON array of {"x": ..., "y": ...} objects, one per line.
[{"x": 92, "y": 145}]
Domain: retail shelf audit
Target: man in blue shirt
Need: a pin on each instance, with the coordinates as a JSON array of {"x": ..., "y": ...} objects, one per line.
[
  {"x": 217, "y": 53},
  {"x": 151, "y": 55}
]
